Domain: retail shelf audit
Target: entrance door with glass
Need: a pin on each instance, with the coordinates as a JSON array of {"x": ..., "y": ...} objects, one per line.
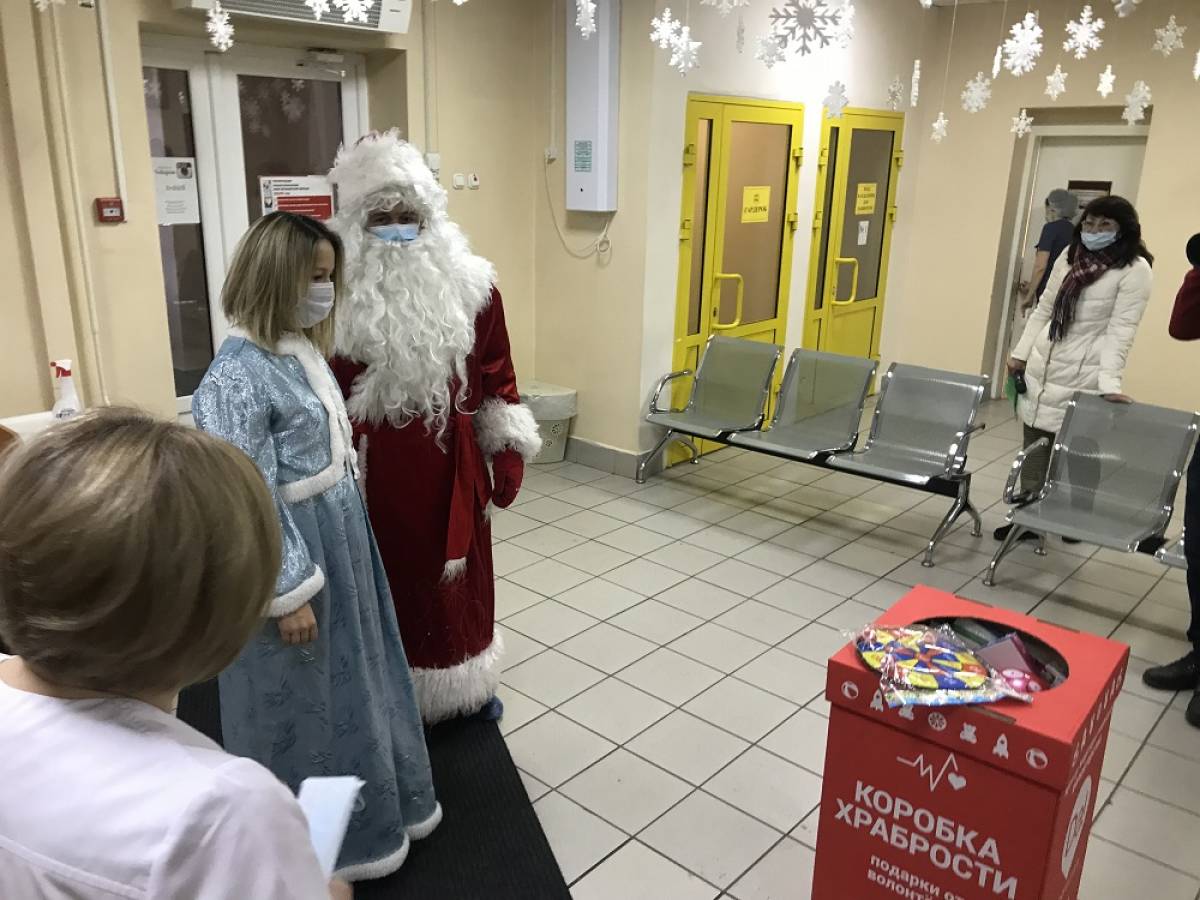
[
  {"x": 740, "y": 167},
  {"x": 233, "y": 136},
  {"x": 852, "y": 231}
]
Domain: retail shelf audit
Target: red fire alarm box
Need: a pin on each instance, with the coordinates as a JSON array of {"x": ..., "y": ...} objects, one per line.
[
  {"x": 110, "y": 209},
  {"x": 966, "y": 802}
]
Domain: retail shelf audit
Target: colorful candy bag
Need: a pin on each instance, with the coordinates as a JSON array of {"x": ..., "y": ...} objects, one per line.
[{"x": 930, "y": 667}]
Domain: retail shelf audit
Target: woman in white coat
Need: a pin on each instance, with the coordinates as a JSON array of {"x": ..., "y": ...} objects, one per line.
[{"x": 1078, "y": 337}]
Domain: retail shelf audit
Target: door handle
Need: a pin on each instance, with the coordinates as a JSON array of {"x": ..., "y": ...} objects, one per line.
[
  {"x": 741, "y": 298},
  {"x": 846, "y": 261}
]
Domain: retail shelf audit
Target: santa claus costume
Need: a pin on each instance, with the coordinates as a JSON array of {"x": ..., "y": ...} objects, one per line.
[{"x": 422, "y": 357}]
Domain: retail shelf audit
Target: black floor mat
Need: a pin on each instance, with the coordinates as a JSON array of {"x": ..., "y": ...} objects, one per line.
[{"x": 490, "y": 843}]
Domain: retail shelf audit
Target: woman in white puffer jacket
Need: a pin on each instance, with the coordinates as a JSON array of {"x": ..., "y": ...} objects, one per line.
[{"x": 1078, "y": 337}]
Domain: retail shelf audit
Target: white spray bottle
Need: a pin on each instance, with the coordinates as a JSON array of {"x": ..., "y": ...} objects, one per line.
[{"x": 66, "y": 403}]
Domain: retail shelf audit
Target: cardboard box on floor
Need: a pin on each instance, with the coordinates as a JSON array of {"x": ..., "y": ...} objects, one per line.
[{"x": 965, "y": 802}]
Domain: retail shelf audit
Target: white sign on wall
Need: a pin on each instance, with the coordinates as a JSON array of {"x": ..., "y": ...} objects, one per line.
[{"x": 178, "y": 199}]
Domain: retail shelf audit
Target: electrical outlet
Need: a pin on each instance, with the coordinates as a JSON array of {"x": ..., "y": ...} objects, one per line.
[{"x": 551, "y": 154}]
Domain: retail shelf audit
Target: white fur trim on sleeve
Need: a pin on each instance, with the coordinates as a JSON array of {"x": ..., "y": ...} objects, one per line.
[
  {"x": 286, "y": 604},
  {"x": 507, "y": 426}
]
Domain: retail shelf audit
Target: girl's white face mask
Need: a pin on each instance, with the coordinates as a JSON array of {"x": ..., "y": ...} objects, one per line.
[{"x": 316, "y": 307}]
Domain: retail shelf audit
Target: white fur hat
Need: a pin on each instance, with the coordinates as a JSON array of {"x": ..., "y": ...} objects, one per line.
[{"x": 385, "y": 164}]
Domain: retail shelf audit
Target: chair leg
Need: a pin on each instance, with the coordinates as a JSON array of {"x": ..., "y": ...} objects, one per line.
[
  {"x": 977, "y": 526},
  {"x": 1009, "y": 542},
  {"x": 1041, "y": 547},
  {"x": 640, "y": 478},
  {"x": 687, "y": 442},
  {"x": 960, "y": 503}
]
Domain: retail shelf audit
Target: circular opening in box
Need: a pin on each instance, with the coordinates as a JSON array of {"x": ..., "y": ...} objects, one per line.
[{"x": 978, "y": 633}]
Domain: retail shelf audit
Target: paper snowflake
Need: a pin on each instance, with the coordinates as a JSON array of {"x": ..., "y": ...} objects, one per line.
[
  {"x": 895, "y": 94},
  {"x": 299, "y": 84},
  {"x": 1170, "y": 37},
  {"x": 1126, "y": 8},
  {"x": 1196, "y": 67},
  {"x": 152, "y": 87},
  {"x": 977, "y": 94},
  {"x": 1022, "y": 124},
  {"x": 725, "y": 7},
  {"x": 292, "y": 106},
  {"x": 1108, "y": 81},
  {"x": 835, "y": 101},
  {"x": 317, "y": 7},
  {"x": 1136, "y": 102},
  {"x": 916, "y": 83},
  {"x": 806, "y": 25},
  {"x": 926, "y": 4},
  {"x": 1056, "y": 83},
  {"x": 219, "y": 28},
  {"x": 998, "y": 62},
  {"x": 43, "y": 5},
  {"x": 664, "y": 29},
  {"x": 685, "y": 53},
  {"x": 769, "y": 50},
  {"x": 940, "y": 126},
  {"x": 843, "y": 32},
  {"x": 1083, "y": 34},
  {"x": 353, "y": 10},
  {"x": 1024, "y": 47},
  {"x": 585, "y": 17}
]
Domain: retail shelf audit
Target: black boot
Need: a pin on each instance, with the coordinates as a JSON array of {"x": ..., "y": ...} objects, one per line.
[
  {"x": 1002, "y": 532},
  {"x": 1193, "y": 711},
  {"x": 1181, "y": 675}
]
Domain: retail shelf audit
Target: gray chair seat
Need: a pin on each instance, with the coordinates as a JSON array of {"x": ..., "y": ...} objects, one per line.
[
  {"x": 912, "y": 465},
  {"x": 1096, "y": 520},
  {"x": 693, "y": 422},
  {"x": 804, "y": 441}
]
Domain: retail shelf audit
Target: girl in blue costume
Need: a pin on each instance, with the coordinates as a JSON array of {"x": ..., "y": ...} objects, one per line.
[{"x": 325, "y": 688}]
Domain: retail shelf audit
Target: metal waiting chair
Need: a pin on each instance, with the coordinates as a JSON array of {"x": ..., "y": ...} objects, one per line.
[
  {"x": 1114, "y": 471},
  {"x": 1172, "y": 554},
  {"x": 729, "y": 395},
  {"x": 919, "y": 435},
  {"x": 819, "y": 409}
]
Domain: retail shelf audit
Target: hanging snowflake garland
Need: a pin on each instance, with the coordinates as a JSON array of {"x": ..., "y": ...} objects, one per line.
[
  {"x": 770, "y": 50},
  {"x": 219, "y": 28},
  {"x": 835, "y": 101},
  {"x": 664, "y": 30},
  {"x": 354, "y": 10},
  {"x": 725, "y": 7},
  {"x": 1083, "y": 34},
  {"x": 998, "y": 62},
  {"x": 1196, "y": 68},
  {"x": 941, "y": 126},
  {"x": 318, "y": 8},
  {"x": 43, "y": 5},
  {"x": 926, "y": 4},
  {"x": 1170, "y": 37},
  {"x": 843, "y": 32},
  {"x": 977, "y": 94},
  {"x": 1023, "y": 49},
  {"x": 1108, "y": 81},
  {"x": 685, "y": 53},
  {"x": 292, "y": 107},
  {"x": 895, "y": 94},
  {"x": 1056, "y": 83},
  {"x": 806, "y": 25},
  {"x": 1136, "y": 102},
  {"x": 1022, "y": 124},
  {"x": 916, "y": 84},
  {"x": 1126, "y": 8},
  {"x": 585, "y": 17},
  {"x": 740, "y": 42}
]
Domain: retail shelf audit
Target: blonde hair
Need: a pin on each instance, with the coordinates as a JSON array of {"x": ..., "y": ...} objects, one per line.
[
  {"x": 135, "y": 554},
  {"x": 270, "y": 275}
]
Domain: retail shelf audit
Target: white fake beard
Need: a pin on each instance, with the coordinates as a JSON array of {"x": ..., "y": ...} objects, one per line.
[{"x": 409, "y": 315}]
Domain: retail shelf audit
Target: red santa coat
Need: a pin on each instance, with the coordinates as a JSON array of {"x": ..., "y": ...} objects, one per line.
[{"x": 428, "y": 504}]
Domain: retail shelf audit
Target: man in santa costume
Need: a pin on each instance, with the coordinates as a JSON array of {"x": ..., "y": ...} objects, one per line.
[{"x": 422, "y": 356}]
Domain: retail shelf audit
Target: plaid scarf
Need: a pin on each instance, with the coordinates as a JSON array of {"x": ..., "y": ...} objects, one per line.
[{"x": 1085, "y": 271}]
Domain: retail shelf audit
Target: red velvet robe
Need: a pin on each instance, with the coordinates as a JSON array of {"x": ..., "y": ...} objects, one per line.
[{"x": 428, "y": 505}]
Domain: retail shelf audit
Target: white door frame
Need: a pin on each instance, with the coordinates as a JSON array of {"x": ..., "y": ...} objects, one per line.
[
  {"x": 1020, "y": 232},
  {"x": 212, "y": 84}
]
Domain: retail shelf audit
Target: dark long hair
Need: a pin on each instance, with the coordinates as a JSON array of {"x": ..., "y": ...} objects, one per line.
[{"x": 1129, "y": 245}]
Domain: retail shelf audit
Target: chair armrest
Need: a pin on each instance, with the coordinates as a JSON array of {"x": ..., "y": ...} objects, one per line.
[
  {"x": 957, "y": 457},
  {"x": 662, "y": 383},
  {"x": 1014, "y": 474}
]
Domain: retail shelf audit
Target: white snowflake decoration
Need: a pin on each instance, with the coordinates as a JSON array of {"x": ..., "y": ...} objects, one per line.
[
  {"x": 1170, "y": 37},
  {"x": 685, "y": 53},
  {"x": 1083, "y": 34},
  {"x": 1108, "y": 81},
  {"x": 299, "y": 84},
  {"x": 770, "y": 50},
  {"x": 292, "y": 106},
  {"x": 317, "y": 7},
  {"x": 1024, "y": 47},
  {"x": 219, "y": 28},
  {"x": 1196, "y": 68},
  {"x": 1136, "y": 102},
  {"x": 1126, "y": 8},
  {"x": 725, "y": 7},
  {"x": 977, "y": 94},
  {"x": 354, "y": 10},
  {"x": 940, "y": 127},
  {"x": 1022, "y": 124},
  {"x": 1056, "y": 83},
  {"x": 843, "y": 32},
  {"x": 152, "y": 88},
  {"x": 806, "y": 25},
  {"x": 836, "y": 101},
  {"x": 185, "y": 105},
  {"x": 43, "y": 5},
  {"x": 740, "y": 42},
  {"x": 585, "y": 17},
  {"x": 998, "y": 62},
  {"x": 664, "y": 29},
  {"x": 926, "y": 4},
  {"x": 916, "y": 83},
  {"x": 895, "y": 94}
]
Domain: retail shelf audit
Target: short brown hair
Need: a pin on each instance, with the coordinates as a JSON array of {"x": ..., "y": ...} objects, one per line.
[
  {"x": 135, "y": 554},
  {"x": 270, "y": 273}
]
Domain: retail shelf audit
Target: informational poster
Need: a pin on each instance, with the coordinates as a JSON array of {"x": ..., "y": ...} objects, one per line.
[
  {"x": 175, "y": 191},
  {"x": 1087, "y": 191},
  {"x": 305, "y": 195},
  {"x": 864, "y": 198},
  {"x": 864, "y": 232},
  {"x": 756, "y": 203}
]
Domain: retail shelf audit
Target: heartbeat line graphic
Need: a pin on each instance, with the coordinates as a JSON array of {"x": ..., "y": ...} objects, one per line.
[{"x": 935, "y": 777}]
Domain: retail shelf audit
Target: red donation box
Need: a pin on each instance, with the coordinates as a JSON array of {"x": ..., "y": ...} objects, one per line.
[{"x": 967, "y": 802}]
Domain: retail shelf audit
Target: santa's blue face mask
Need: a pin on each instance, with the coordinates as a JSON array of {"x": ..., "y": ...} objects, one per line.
[{"x": 395, "y": 233}]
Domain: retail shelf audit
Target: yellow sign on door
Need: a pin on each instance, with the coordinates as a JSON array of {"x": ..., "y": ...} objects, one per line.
[
  {"x": 756, "y": 203},
  {"x": 864, "y": 201}
]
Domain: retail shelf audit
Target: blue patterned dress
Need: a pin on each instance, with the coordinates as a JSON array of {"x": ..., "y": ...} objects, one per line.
[{"x": 343, "y": 705}]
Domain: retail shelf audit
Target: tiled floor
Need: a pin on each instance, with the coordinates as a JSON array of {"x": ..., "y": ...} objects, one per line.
[{"x": 666, "y": 649}]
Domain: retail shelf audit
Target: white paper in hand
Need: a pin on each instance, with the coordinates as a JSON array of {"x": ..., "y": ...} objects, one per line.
[{"x": 328, "y": 804}]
